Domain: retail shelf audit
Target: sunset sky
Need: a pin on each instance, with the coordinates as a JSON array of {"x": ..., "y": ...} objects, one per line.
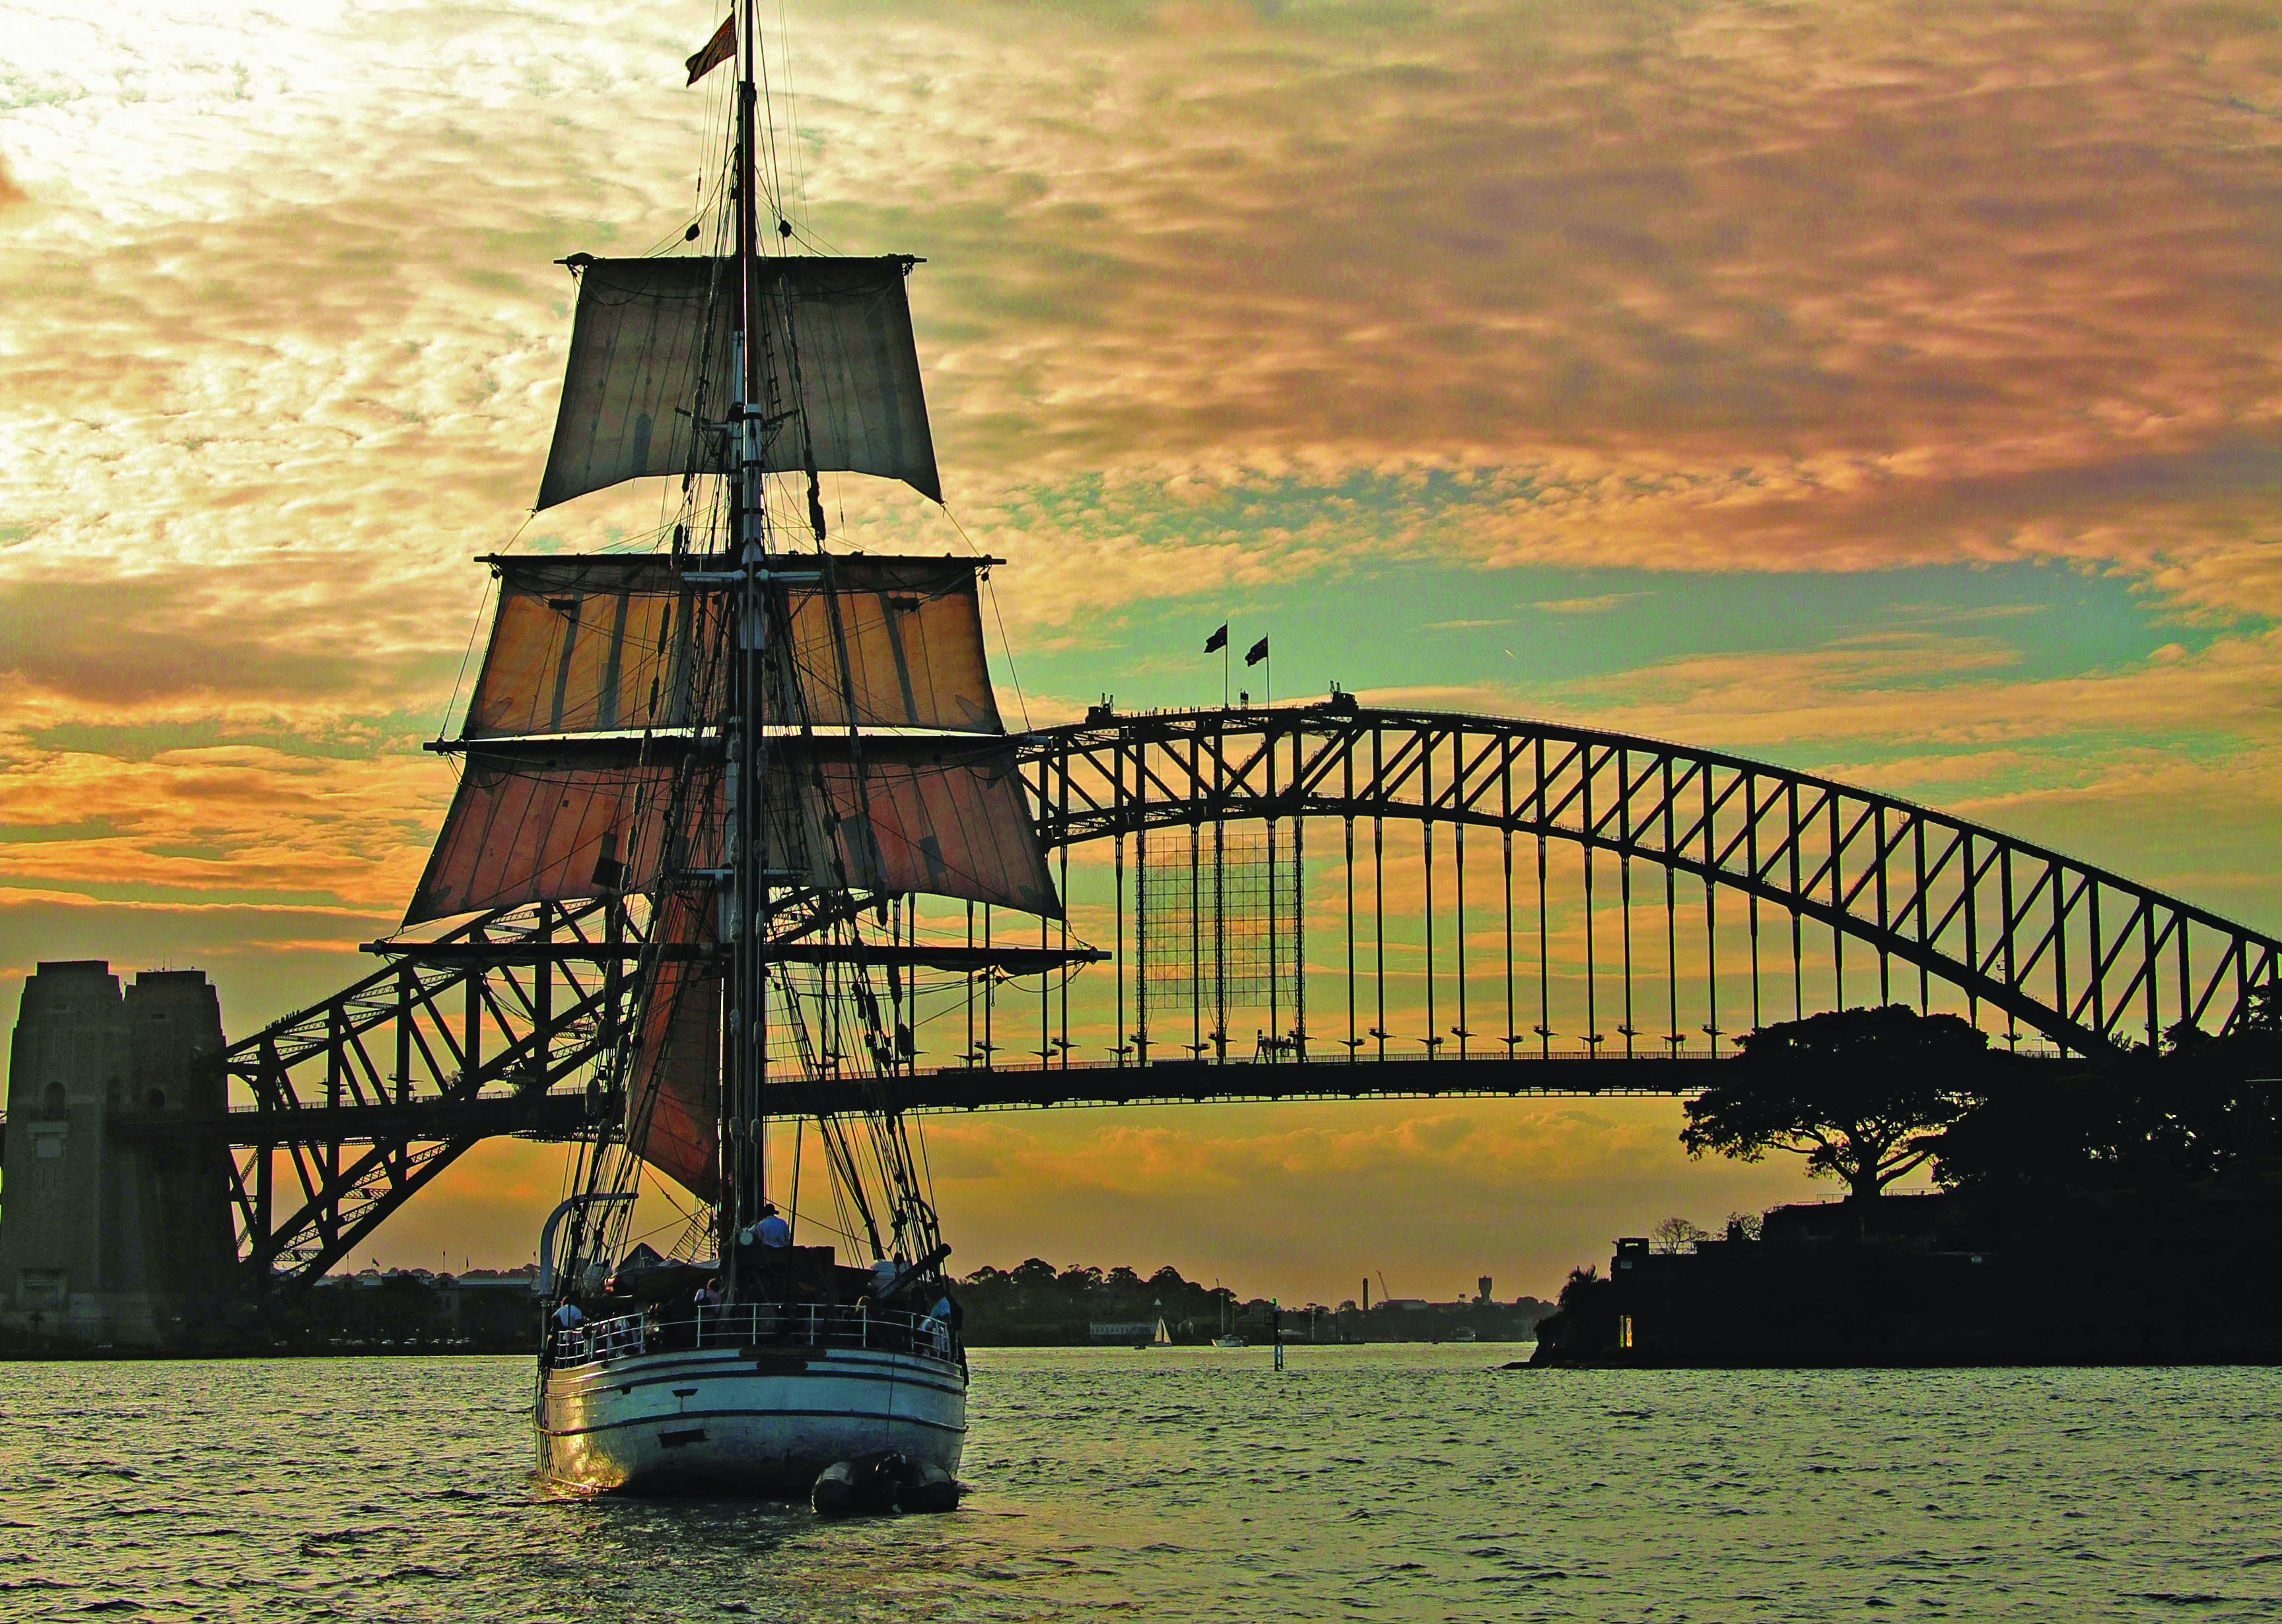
[{"x": 1890, "y": 390}]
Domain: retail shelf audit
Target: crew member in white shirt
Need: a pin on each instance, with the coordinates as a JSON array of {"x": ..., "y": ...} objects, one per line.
[{"x": 772, "y": 1231}]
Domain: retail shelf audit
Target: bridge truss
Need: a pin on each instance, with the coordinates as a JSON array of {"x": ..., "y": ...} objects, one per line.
[
  {"x": 2082, "y": 958},
  {"x": 363, "y": 1099},
  {"x": 1757, "y": 880}
]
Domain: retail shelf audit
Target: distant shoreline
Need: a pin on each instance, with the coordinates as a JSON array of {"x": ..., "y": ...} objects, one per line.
[
  {"x": 70, "y": 1355},
  {"x": 65, "y": 1355}
]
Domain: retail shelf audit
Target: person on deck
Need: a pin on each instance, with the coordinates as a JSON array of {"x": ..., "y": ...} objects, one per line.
[
  {"x": 706, "y": 1297},
  {"x": 947, "y": 1312},
  {"x": 773, "y": 1236},
  {"x": 772, "y": 1231}
]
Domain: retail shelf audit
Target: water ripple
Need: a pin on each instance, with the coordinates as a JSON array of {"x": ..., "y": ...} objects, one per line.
[{"x": 1389, "y": 1483}]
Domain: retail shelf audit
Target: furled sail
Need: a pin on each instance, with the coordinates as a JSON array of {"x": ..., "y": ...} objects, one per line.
[
  {"x": 652, "y": 364},
  {"x": 673, "y": 1106},
  {"x": 597, "y": 643},
  {"x": 573, "y": 820}
]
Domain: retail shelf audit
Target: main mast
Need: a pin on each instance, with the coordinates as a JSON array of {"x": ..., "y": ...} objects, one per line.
[
  {"x": 743, "y": 1135},
  {"x": 750, "y": 742}
]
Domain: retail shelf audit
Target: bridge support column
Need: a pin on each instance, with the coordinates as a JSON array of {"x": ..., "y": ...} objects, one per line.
[{"x": 117, "y": 1218}]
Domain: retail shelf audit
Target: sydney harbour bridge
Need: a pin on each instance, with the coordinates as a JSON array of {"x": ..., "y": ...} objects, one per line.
[{"x": 1474, "y": 905}]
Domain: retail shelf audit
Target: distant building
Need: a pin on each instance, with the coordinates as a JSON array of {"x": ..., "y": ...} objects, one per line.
[
  {"x": 483, "y": 1307},
  {"x": 118, "y": 1211}
]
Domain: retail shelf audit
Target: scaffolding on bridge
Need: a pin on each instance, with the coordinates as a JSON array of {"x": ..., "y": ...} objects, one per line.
[{"x": 1218, "y": 927}]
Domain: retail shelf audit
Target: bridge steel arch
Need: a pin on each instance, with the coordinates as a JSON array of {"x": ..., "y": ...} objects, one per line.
[
  {"x": 358, "y": 1102},
  {"x": 2089, "y": 959}
]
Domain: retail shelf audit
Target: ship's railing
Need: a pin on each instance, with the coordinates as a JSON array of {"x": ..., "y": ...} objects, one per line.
[
  {"x": 597, "y": 1339},
  {"x": 821, "y": 1324},
  {"x": 741, "y": 1324}
]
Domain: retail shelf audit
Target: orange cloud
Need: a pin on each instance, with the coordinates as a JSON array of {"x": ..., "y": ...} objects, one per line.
[{"x": 1216, "y": 297}]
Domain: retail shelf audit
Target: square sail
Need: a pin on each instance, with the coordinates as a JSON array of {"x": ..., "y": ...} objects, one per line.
[{"x": 652, "y": 369}]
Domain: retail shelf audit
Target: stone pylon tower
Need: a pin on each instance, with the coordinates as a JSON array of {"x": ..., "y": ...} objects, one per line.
[{"x": 116, "y": 1216}]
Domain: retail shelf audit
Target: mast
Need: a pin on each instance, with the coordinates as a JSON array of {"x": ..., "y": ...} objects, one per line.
[
  {"x": 742, "y": 1136},
  {"x": 760, "y": 753}
]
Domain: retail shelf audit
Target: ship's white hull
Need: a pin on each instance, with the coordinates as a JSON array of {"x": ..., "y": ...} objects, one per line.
[{"x": 744, "y": 1420}]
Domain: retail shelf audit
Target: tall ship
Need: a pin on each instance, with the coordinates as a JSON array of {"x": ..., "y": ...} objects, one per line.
[{"x": 738, "y": 758}]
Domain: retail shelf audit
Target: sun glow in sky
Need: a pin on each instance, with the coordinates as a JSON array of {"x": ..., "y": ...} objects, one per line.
[{"x": 1889, "y": 391}]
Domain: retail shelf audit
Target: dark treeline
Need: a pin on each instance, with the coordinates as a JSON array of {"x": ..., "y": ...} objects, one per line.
[
  {"x": 402, "y": 1311},
  {"x": 1036, "y": 1304},
  {"x": 409, "y": 1311},
  {"x": 1870, "y": 1095},
  {"x": 2117, "y": 1208}
]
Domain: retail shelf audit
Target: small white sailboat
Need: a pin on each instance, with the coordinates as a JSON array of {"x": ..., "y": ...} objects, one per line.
[{"x": 1227, "y": 1338}]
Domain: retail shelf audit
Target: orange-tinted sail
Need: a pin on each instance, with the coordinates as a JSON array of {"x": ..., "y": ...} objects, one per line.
[
  {"x": 614, "y": 642},
  {"x": 575, "y": 821},
  {"x": 673, "y": 1104},
  {"x": 619, "y": 643},
  {"x": 891, "y": 642},
  {"x": 949, "y": 819}
]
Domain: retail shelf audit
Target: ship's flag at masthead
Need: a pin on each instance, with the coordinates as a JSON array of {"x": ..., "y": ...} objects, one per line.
[{"x": 718, "y": 50}]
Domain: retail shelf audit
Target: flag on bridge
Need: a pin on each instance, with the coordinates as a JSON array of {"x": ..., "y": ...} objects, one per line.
[
  {"x": 1257, "y": 652},
  {"x": 718, "y": 50},
  {"x": 1219, "y": 639}
]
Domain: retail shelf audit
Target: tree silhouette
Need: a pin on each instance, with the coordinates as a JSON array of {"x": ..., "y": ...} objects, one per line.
[
  {"x": 1861, "y": 1093},
  {"x": 2201, "y": 1105},
  {"x": 1677, "y": 1234}
]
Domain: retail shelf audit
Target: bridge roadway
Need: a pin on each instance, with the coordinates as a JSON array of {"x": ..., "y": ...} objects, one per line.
[{"x": 564, "y": 1113}]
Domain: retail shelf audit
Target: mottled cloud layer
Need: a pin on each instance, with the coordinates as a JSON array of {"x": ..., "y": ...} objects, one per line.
[
  {"x": 1222, "y": 302},
  {"x": 1840, "y": 287}
]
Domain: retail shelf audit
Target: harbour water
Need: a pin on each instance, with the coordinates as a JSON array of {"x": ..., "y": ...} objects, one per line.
[{"x": 1389, "y": 1483}]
